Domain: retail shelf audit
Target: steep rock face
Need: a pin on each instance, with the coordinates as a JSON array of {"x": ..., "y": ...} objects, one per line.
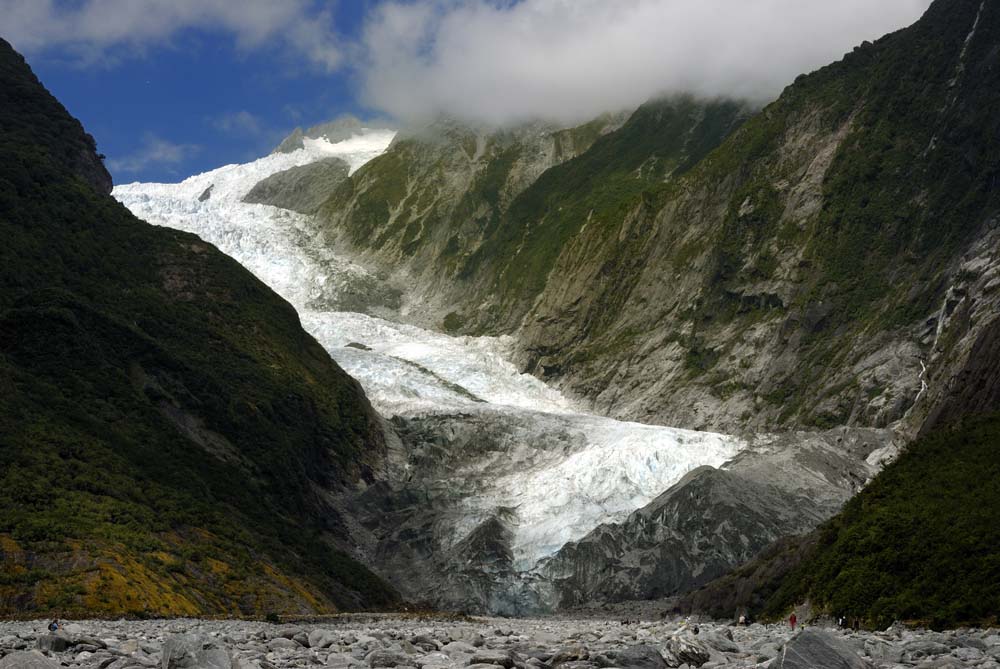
[
  {"x": 747, "y": 589},
  {"x": 479, "y": 217},
  {"x": 868, "y": 562},
  {"x": 964, "y": 365},
  {"x": 714, "y": 519},
  {"x": 919, "y": 543},
  {"x": 540, "y": 231},
  {"x": 439, "y": 191},
  {"x": 303, "y": 189},
  {"x": 795, "y": 276},
  {"x": 169, "y": 435}
]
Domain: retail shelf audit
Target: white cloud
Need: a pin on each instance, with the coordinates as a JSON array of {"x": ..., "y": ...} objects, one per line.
[
  {"x": 496, "y": 60},
  {"x": 154, "y": 151},
  {"x": 93, "y": 28},
  {"x": 572, "y": 59},
  {"x": 238, "y": 123}
]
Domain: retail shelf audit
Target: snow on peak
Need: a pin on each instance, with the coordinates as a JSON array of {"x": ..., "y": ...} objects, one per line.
[
  {"x": 231, "y": 182},
  {"x": 357, "y": 150}
]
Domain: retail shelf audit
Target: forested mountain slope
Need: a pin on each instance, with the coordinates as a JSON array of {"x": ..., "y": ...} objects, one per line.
[
  {"x": 920, "y": 543},
  {"x": 448, "y": 204},
  {"x": 805, "y": 270},
  {"x": 169, "y": 434}
]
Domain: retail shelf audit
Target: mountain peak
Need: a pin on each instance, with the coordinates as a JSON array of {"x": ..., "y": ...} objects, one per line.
[
  {"x": 341, "y": 128},
  {"x": 31, "y": 116}
]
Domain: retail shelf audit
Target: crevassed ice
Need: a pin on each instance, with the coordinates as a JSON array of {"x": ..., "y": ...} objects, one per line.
[
  {"x": 562, "y": 472},
  {"x": 415, "y": 371}
]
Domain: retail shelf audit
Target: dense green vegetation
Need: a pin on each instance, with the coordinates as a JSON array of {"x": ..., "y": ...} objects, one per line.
[
  {"x": 919, "y": 169},
  {"x": 620, "y": 171},
  {"x": 920, "y": 543},
  {"x": 166, "y": 426},
  {"x": 912, "y": 125},
  {"x": 912, "y": 184}
]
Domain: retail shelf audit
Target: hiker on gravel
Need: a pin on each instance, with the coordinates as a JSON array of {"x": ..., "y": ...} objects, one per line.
[
  {"x": 792, "y": 619},
  {"x": 54, "y": 625}
]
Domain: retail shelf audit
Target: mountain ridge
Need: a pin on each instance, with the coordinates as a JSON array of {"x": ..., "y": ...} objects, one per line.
[{"x": 168, "y": 431}]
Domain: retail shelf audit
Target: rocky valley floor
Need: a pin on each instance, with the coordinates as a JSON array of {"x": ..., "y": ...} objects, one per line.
[{"x": 376, "y": 641}]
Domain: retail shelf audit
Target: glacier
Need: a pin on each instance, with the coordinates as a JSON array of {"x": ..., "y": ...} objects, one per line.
[{"x": 560, "y": 470}]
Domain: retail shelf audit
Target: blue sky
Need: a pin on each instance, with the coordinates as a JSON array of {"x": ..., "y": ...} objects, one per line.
[
  {"x": 171, "y": 88},
  {"x": 198, "y": 100}
]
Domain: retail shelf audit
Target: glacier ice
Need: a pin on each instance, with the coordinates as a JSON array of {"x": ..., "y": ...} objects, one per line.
[{"x": 562, "y": 471}]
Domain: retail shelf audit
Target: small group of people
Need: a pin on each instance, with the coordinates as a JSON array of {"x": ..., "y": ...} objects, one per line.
[{"x": 793, "y": 621}]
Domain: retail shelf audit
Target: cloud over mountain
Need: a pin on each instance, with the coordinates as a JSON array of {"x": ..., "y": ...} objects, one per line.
[
  {"x": 491, "y": 60},
  {"x": 572, "y": 59}
]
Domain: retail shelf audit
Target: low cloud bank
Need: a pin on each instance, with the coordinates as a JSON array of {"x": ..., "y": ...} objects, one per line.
[
  {"x": 573, "y": 59},
  {"x": 494, "y": 60}
]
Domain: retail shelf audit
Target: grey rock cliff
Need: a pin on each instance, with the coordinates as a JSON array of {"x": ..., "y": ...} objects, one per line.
[
  {"x": 421, "y": 533},
  {"x": 303, "y": 189},
  {"x": 714, "y": 519}
]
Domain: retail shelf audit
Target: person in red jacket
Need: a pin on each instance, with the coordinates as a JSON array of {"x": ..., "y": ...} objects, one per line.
[{"x": 792, "y": 620}]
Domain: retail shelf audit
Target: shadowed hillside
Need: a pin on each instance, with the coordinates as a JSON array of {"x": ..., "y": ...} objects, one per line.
[{"x": 168, "y": 432}]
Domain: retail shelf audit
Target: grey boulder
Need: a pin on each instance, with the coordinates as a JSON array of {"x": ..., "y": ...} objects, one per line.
[
  {"x": 681, "y": 649},
  {"x": 501, "y": 658},
  {"x": 289, "y": 632},
  {"x": 281, "y": 643},
  {"x": 322, "y": 638},
  {"x": 27, "y": 660},
  {"x": 387, "y": 658},
  {"x": 924, "y": 648},
  {"x": 814, "y": 648},
  {"x": 190, "y": 651},
  {"x": 53, "y": 643},
  {"x": 638, "y": 657},
  {"x": 720, "y": 642}
]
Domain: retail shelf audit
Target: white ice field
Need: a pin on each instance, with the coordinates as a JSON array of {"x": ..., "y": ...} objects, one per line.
[{"x": 563, "y": 471}]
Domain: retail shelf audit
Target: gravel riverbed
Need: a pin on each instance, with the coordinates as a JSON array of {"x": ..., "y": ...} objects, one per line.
[{"x": 377, "y": 641}]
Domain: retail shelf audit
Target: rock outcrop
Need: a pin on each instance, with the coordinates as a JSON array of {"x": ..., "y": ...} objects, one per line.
[
  {"x": 303, "y": 189},
  {"x": 897, "y": 550},
  {"x": 819, "y": 648},
  {"x": 714, "y": 519},
  {"x": 427, "y": 204}
]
